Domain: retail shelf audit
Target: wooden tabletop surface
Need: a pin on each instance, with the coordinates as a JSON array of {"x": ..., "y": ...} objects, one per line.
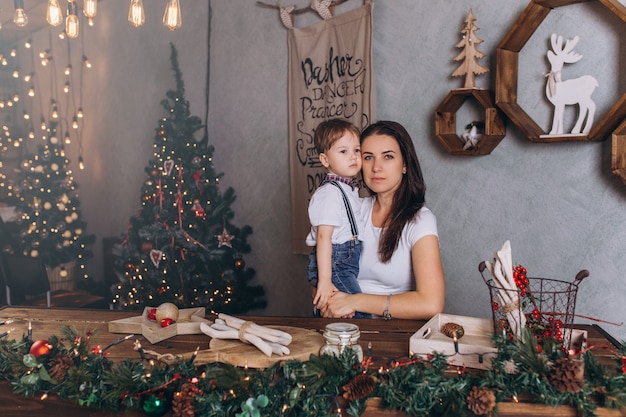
[{"x": 387, "y": 340}]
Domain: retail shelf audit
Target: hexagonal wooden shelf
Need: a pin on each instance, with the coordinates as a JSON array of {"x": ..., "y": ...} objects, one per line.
[
  {"x": 445, "y": 121},
  {"x": 618, "y": 154},
  {"x": 507, "y": 73}
]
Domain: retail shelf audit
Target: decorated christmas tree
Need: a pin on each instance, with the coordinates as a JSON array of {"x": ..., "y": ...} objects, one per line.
[
  {"x": 181, "y": 246},
  {"x": 45, "y": 196}
]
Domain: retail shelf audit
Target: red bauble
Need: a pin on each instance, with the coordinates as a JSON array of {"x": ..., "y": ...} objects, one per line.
[
  {"x": 40, "y": 347},
  {"x": 152, "y": 314},
  {"x": 166, "y": 322}
]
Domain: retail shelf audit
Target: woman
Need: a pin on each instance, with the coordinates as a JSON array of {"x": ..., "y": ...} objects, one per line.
[{"x": 401, "y": 275}]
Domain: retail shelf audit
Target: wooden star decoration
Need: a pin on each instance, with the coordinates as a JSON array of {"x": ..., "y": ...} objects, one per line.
[{"x": 224, "y": 239}]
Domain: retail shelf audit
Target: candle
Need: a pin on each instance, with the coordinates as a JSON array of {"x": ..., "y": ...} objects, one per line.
[
  {"x": 456, "y": 344},
  {"x": 3, "y": 322},
  {"x": 30, "y": 331}
]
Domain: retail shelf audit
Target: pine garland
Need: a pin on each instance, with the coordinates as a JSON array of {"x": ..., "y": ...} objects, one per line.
[{"x": 321, "y": 386}]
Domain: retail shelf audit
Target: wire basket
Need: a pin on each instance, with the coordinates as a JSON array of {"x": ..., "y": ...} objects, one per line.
[{"x": 546, "y": 306}]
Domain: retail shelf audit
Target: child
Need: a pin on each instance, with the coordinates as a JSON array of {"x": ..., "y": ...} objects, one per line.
[{"x": 334, "y": 213}]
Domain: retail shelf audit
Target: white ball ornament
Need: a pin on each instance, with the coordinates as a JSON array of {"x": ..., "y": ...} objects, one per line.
[{"x": 166, "y": 311}]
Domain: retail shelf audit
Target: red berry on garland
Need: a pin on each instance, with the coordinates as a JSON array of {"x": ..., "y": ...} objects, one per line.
[
  {"x": 496, "y": 306},
  {"x": 166, "y": 322},
  {"x": 152, "y": 314},
  {"x": 40, "y": 347}
]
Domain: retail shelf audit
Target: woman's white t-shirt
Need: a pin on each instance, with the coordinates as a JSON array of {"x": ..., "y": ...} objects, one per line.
[{"x": 396, "y": 276}]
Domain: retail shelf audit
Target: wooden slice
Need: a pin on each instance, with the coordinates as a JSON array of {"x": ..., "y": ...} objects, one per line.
[{"x": 305, "y": 342}]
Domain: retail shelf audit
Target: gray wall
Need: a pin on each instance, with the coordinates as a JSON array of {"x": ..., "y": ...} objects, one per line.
[{"x": 559, "y": 204}]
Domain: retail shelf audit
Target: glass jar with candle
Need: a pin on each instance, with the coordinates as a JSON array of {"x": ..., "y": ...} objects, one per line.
[{"x": 339, "y": 336}]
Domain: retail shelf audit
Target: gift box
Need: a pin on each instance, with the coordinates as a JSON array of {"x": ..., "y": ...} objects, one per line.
[
  {"x": 189, "y": 320},
  {"x": 475, "y": 349}
]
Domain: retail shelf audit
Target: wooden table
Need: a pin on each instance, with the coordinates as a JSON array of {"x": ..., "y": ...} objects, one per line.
[{"x": 389, "y": 340}]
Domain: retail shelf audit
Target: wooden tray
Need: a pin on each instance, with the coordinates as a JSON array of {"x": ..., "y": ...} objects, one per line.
[
  {"x": 188, "y": 322},
  {"x": 305, "y": 342}
]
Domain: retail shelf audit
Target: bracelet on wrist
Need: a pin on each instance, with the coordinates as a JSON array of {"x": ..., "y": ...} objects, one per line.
[{"x": 386, "y": 314}]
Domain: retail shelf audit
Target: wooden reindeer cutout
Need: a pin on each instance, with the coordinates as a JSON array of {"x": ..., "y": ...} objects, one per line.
[{"x": 569, "y": 92}]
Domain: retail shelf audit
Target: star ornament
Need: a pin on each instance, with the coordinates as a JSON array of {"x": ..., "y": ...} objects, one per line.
[{"x": 224, "y": 239}]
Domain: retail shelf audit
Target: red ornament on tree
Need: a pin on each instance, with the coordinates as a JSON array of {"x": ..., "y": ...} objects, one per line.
[{"x": 40, "y": 347}]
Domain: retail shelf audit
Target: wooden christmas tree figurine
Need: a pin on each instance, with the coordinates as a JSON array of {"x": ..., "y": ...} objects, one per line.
[{"x": 469, "y": 55}]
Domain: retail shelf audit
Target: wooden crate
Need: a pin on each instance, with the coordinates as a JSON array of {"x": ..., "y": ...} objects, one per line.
[{"x": 475, "y": 349}]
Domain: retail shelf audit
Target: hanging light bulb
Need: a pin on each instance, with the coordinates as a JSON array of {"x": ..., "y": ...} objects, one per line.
[
  {"x": 13, "y": 52},
  {"x": 172, "y": 18},
  {"x": 71, "y": 21},
  {"x": 80, "y": 113},
  {"x": 86, "y": 62},
  {"x": 81, "y": 162},
  {"x": 136, "y": 15},
  {"x": 68, "y": 69},
  {"x": 31, "y": 91},
  {"x": 74, "y": 123},
  {"x": 66, "y": 87},
  {"x": 28, "y": 44},
  {"x": 68, "y": 139},
  {"x": 43, "y": 124},
  {"x": 54, "y": 14},
  {"x": 90, "y": 8},
  {"x": 19, "y": 18},
  {"x": 54, "y": 109}
]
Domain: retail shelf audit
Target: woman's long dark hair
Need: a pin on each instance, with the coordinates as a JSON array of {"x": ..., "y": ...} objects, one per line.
[{"x": 409, "y": 197}]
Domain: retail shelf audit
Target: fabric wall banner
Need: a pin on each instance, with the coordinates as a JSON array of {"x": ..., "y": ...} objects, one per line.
[{"x": 330, "y": 76}]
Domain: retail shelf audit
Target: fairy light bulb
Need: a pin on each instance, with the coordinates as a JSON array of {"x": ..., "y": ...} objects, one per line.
[
  {"x": 74, "y": 123},
  {"x": 136, "y": 15},
  {"x": 172, "y": 18},
  {"x": 81, "y": 163},
  {"x": 19, "y": 17},
  {"x": 55, "y": 110},
  {"x": 86, "y": 62},
  {"x": 31, "y": 91},
  {"x": 80, "y": 113},
  {"x": 71, "y": 21},
  {"x": 68, "y": 139},
  {"x": 66, "y": 87},
  {"x": 54, "y": 14},
  {"x": 28, "y": 44},
  {"x": 90, "y": 8},
  {"x": 68, "y": 70}
]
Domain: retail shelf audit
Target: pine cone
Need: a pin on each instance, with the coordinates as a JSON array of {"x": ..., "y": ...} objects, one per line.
[
  {"x": 59, "y": 366},
  {"x": 452, "y": 329},
  {"x": 359, "y": 387},
  {"x": 481, "y": 401},
  {"x": 183, "y": 401},
  {"x": 567, "y": 375}
]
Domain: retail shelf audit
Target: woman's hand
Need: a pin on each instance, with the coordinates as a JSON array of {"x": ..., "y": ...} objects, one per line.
[{"x": 338, "y": 306}]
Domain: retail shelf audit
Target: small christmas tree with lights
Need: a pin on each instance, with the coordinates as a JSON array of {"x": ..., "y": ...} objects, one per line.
[
  {"x": 49, "y": 221},
  {"x": 181, "y": 246}
]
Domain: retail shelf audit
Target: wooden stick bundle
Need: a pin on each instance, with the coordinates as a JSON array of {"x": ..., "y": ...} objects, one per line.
[
  {"x": 501, "y": 269},
  {"x": 267, "y": 340}
]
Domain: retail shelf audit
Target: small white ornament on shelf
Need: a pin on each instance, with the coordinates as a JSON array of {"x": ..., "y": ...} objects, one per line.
[
  {"x": 473, "y": 133},
  {"x": 569, "y": 92}
]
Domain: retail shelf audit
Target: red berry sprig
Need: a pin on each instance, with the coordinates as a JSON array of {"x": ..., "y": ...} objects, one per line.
[{"x": 519, "y": 276}]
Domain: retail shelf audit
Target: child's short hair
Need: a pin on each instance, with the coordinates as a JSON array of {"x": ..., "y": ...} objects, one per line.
[{"x": 330, "y": 131}]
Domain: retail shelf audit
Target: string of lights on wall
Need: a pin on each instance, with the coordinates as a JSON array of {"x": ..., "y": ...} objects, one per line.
[{"x": 172, "y": 18}]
